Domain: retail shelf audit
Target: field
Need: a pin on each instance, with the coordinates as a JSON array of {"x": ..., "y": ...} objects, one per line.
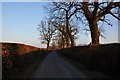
[{"x": 104, "y": 58}]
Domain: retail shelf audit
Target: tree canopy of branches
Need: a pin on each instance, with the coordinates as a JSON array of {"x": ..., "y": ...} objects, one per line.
[
  {"x": 46, "y": 32},
  {"x": 96, "y": 12},
  {"x": 62, "y": 16},
  {"x": 90, "y": 13}
]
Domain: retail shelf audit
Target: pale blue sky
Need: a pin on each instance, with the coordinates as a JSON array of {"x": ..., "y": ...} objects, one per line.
[
  {"x": 20, "y": 22},
  {"x": 0, "y": 21}
]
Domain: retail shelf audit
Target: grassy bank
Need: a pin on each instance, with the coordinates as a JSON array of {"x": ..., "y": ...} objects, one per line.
[
  {"x": 104, "y": 58},
  {"x": 19, "y": 58}
]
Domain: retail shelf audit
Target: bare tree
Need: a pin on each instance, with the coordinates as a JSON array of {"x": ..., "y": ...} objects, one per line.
[
  {"x": 62, "y": 14},
  {"x": 96, "y": 12},
  {"x": 60, "y": 40},
  {"x": 46, "y": 32},
  {"x": 90, "y": 13}
]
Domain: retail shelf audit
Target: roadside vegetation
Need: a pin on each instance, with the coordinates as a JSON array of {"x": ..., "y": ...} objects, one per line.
[
  {"x": 103, "y": 58},
  {"x": 16, "y": 62}
]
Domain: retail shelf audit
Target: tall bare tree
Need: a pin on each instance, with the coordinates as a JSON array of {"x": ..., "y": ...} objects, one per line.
[
  {"x": 62, "y": 15},
  {"x": 46, "y": 32},
  {"x": 96, "y": 12},
  {"x": 90, "y": 13}
]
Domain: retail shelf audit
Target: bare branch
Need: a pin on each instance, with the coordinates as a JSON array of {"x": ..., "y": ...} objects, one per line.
[
  {"x": 107, "y": 9},
  {"x": 86, "y": 10},
  {"x": 114, "y": 16},
  {"x": 74, "y": 12},
  {"x": 96, "y": 6}
]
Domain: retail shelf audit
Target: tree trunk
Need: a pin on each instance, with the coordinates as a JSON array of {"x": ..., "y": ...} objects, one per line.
[
  {"x": 95, "y": 34},
  {"x": 67, "y": 41},
  {"x": 71, "y": 39},
  {"x": 48, "y": 45},
  {"x": 67, "y": 30},
  {"x": 63, "y": 41}
]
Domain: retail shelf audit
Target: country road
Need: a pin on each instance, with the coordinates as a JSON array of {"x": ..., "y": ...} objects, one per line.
[{"x": 53, "y": 66}]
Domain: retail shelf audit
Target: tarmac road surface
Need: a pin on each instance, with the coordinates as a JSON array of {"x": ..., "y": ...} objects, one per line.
[{"x": 54, "y": 66}]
